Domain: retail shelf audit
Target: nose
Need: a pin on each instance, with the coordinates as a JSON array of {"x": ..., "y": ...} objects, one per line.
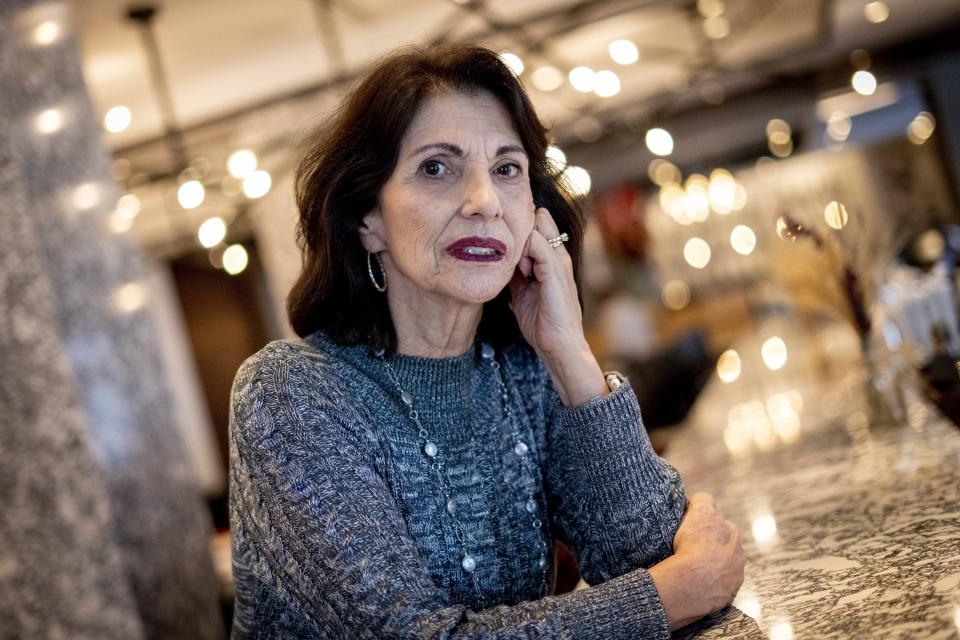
[{"x": 480, "y": 197}]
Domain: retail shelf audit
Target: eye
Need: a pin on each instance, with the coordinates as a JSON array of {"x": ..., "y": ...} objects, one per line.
[
  {"x": 433, "y": 168},
  {"x": 509, "y": 170}
]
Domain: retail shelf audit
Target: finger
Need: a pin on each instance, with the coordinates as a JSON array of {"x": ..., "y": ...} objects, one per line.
[
  {"x": 548, "y": 263},
  {"x": 547, "y": 226},
  {"x": 545, "y": 223},
  {"x": 525, "y": 266}
]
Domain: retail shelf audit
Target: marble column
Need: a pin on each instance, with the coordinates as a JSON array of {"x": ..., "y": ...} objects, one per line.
[{"x": 102, "y": 530}]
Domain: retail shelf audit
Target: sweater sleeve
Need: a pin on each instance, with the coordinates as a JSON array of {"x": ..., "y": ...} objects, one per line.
[
  {"x": 615, "y": 502},
  {"x": 323, "y": 548}
]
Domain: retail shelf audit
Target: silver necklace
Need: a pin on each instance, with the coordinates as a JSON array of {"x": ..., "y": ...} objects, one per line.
[{"x": 435, "y": 461}]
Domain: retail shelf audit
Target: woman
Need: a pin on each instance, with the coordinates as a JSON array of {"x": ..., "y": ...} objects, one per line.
[{"x": 403, "y": 470}]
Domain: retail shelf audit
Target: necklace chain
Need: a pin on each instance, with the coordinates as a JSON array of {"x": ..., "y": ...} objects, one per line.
[{"x": 434, "y": 459}]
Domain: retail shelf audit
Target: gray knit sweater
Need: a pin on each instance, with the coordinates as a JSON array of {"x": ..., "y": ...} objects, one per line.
[{"x": 340, "y": 530}]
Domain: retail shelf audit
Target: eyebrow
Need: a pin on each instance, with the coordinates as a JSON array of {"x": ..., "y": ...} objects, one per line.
[{"x": 457, "y": 151}]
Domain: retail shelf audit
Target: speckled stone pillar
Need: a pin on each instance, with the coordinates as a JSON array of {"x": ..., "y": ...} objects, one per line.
[{"x": 102, "y": 531}]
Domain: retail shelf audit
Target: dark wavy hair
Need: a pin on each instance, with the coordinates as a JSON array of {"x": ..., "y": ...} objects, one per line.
[{"x": 340, "y": 177}]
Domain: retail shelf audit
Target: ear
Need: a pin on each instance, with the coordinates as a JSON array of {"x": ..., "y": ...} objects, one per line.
[{"x": 372, "y": 232}]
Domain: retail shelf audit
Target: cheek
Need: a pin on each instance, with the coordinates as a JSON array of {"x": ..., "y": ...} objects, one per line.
[
  {"x": 524, "y": 213},
  {"x": 414, "y": 235},
  {"x": 529, "y": 219}
]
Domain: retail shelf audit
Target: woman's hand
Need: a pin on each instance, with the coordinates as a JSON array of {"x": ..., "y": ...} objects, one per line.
[
  {"x": 706, "y": 570},
  {"x": 548, "y": 311}
]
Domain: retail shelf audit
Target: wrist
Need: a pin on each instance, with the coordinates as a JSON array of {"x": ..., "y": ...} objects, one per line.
[
  {"x": 674, "y": 579},
  {"x": 576, "y": 376}
]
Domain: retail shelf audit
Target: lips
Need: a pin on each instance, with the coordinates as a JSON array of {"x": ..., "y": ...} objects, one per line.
[{"x": 476, "y": 249}]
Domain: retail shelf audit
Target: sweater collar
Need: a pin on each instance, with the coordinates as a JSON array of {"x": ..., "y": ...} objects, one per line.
[{"x": 429, "y": 379}]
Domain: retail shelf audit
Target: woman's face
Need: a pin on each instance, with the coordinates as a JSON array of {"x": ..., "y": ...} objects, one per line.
[{"x": 455, "y": 215}]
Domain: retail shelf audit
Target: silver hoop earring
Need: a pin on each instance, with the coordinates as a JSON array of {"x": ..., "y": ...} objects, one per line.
[{"x": 373, "y": 280}]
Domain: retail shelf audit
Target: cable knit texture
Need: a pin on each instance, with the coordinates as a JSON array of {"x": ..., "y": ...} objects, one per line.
[{"x": 340, "y": 530}]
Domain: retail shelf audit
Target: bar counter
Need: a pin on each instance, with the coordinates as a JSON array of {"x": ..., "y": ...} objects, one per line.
[{"x": 845, "y": 483}]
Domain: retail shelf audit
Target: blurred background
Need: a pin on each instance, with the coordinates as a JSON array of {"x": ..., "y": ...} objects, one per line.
[{"x": 766, "y": 183}]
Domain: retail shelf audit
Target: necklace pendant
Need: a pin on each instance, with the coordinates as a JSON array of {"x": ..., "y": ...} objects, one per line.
[
  {"x": 468, "y": 563},
  {"x": 531, "y": 505},
  {"x": 430, "y": 448},
  {"x": 487, "y": 351},
  {"x": 521, "y": 448}
]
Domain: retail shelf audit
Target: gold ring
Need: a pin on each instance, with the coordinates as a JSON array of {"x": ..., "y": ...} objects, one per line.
[{"x": 558, "y": 240}]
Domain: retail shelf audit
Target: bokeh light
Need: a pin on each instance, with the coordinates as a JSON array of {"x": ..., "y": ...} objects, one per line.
[
  {"x": 128, "y": 206},
  {"x": 876, "y": 12},
  {"x": 578, "y": 180},
  {"x": 86, "y": 196},
  {"x": 659, "y": 141},
  {"x": 662, "y": 172},
  {"x": 728, "y": 366},
  {"x": 117, "y": 119},
  {"x": 557, "y": 158},
  {"x": 716, "y": 27},
  {"x": 513, "y": 61},
  {"x": 743, "y": 239},
  {"x": 242, "y": 163},
  {"x": 257, "y": 184},
  {"x": 710, "y": 8},
  {"x": 49, "y": 121},
  {"x": 46, "y": 33},
  {"x": 212, "y": 232},
  {"x": 864, "y": 82},
  {"x": 129, "y": 297},
  {"x": 921, "y": 127},
  {"x": 764, "y": 528},
  {"x": 774, "y": 353},
  {"x": 675, "y": 295},
  {"x": 839, "y": 125},
  {"x": 606, "y": 83},
  {"x": 235, "y": 259},
  {"x": 581, "y": 78},
  {"x": 835, "y": 215},
  {"x": 722, "y": 191},
  {"x": 696, "y": 252},
  {"x": 191, "y": 193},
  {"x": 547, "y": 78},
  {"x": 623, "y": 52}
]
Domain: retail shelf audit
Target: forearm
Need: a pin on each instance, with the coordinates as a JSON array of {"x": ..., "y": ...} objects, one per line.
[
  {"x": 576, "y": 375},
  {"x": 706, "y": 571},
  {"x": 618, "y": 503}
]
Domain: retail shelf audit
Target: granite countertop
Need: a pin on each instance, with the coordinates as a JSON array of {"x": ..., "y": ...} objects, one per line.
[{"x": 845, "y": 483}]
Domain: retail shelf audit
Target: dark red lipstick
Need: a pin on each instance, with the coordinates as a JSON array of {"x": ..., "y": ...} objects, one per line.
[{"x": 474, "y": 249}]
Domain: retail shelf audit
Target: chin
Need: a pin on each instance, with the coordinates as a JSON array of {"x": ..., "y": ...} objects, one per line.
[{"x": 480, "y": 289}]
